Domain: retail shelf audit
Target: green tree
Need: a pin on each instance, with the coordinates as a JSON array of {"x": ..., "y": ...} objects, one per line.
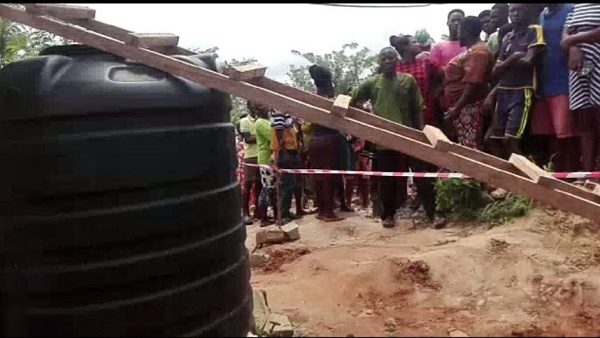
[
  {"x": 18, "y": 41},
  {"x": 350, "y": 66}
]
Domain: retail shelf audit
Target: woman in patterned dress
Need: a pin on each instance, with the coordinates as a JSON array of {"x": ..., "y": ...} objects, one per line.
[{"x": 581, "y": 37}]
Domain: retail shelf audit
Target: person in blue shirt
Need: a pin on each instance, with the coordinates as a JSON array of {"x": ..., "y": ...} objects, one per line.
[{"x": 551, "y": 115}]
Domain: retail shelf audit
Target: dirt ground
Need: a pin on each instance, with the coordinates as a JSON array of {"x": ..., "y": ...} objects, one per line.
[{"x": 535, "y": 276}]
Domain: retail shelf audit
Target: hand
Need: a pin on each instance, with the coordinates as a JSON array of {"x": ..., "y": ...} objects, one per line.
[
  {"x": 488, "y": 103},
  {"x": 488, "y": 134},
  {"x": 422, "y": 56},
  {"x": 518, "y": 55},
  {"x": 575, "y": 58},
  {"x": 451, "y": 114},
  {"x": 566, "y": 42}
]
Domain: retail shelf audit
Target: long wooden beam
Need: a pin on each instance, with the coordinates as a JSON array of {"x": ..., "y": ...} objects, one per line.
[
  {"x": 387, "y": 138},
  {"x": 315, "y": 100}
]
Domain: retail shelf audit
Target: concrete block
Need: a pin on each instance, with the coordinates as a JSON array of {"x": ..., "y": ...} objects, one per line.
[
  {"x": 279, "y": 325},
  {"x": 271, "y": 235},
  {"x": 260, "y": 310},
  {"x": 292, "y": 232}
]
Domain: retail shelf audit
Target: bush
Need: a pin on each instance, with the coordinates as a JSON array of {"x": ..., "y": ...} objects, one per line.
[{"x": 463, "y": 200}]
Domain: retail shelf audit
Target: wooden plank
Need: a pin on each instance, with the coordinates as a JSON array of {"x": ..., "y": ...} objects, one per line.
[
  {"x": 341, "y": 105},
  {"x": 325, "y": 103},
  {"x": 544, "y": 178},
  {"x": 437, "y": 138},
  {"x": 482, "y": 157},
  {"x": 146, "y": 40},
  {"x": 61, "y": 11},
  {"x": 121, "y": 34},
  {"x": 551, "y": 182},
  {"x": 529, "y": 168},
  {"x": 376, "y": 121},
  {"x": 245, "y": 72},
  {"x": 387, "y": 138},
  {"x": 318, "y": 101}
]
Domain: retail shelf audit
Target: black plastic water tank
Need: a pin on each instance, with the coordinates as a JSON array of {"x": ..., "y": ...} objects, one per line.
[{"x": 119, "y": 204}]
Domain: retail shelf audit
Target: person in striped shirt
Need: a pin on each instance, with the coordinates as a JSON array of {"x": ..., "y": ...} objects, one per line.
[{"x": 284, "y": 144}]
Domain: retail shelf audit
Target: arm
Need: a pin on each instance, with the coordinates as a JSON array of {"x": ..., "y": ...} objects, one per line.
[
  {"x": 245, "y": 132},
  {"x": 467, "y": 96},
  {"x": 363, "y": 93},
  {"x": 490, "y": 100},
  {"x": 475, "y": 68},
  {"x": 276, "y": 143},
  {"x": 502, "y": 67},
  {"x": 535, "y": 47},
  {"x": 263, "y": 133},
  {"x": 575, "y": 39}
]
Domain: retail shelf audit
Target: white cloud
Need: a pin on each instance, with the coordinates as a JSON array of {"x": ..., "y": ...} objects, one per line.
[{"x": 268, "y": 32}]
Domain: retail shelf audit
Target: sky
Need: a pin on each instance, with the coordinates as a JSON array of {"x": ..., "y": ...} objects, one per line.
[{"x": 268, "y": 32}]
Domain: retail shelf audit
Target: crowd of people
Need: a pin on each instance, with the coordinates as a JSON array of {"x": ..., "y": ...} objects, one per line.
[{"x": 518, "y": 78}]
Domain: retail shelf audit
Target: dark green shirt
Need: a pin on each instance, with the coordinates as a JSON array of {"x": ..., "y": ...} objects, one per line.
[{"x": 398, "y": 99}]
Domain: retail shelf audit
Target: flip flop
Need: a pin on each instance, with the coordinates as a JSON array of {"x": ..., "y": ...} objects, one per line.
[{"x": 329, "y": 219}]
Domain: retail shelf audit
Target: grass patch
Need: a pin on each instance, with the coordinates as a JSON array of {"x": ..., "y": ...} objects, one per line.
[{"x": 463, "y": 200}]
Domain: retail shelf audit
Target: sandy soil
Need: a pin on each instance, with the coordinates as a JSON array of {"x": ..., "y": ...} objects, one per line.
[{"x": 536, "y": 276}]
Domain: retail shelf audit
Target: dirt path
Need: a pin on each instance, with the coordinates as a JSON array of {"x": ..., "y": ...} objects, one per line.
[{"x": 536, "y": 276}]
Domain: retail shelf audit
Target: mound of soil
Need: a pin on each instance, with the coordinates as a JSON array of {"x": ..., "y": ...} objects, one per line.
[{"x": 280, "y": 256}]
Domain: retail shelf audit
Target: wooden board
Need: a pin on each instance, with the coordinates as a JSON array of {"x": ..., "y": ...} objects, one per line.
[
  {"x": 61, "y": 11},
  {"x": 529, "y": 168},
  {"x": 387, "y": 138},
  {"x": 318, "y": 101},
  {"x": 146, "y": 40},
  {"x": 246, "y": 72},
  {"x": 437, "y": 138},
  {"x": 341, "y": 105},
  {"x": 371, "y": 119}
]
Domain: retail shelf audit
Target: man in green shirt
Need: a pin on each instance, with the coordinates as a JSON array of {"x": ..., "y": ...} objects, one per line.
[
  {"x": 251, "y": 174},
  {"x": 396, "y": 97},
  {"x": 262, "y": 127}
]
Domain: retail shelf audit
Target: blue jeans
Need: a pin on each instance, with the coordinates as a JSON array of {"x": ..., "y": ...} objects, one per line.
[{"x": 288, "y": 159}]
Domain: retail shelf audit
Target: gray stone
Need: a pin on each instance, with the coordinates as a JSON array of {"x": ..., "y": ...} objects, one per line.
[
  {"x": 261, "y": 311},
  {"x": 291, "y": 231},
  {"x": 279, "y": 325},
  {"x": 272, "y": 235}
]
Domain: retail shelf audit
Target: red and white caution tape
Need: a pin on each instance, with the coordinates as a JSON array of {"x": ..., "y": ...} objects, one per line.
[{"x": 563, "y": 175}]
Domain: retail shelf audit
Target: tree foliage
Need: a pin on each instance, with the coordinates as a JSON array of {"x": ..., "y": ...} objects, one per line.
[
  {"x": 350, "y": 66},
  {"x": 18, "y": 41}
]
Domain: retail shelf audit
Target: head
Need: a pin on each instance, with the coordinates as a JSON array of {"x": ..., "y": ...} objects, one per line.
[
  {"x": 518, "y": 14},
  {"x": 424, "y": 39},
  {"x": 455, "y": 16},
  {"x": 469, "y": 31},
  {"x": 405, "y": 45},
  {"x": 322, "y": 77},
  {"x": 499, "y": 15},
  {"x": 486, "y": 24},
  {"x": 387, "y": 61},
  {"x": 257, "y": 109}
]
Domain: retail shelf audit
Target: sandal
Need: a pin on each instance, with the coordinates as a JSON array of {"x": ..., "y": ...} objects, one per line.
[{"x": 330, "y": 218}]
